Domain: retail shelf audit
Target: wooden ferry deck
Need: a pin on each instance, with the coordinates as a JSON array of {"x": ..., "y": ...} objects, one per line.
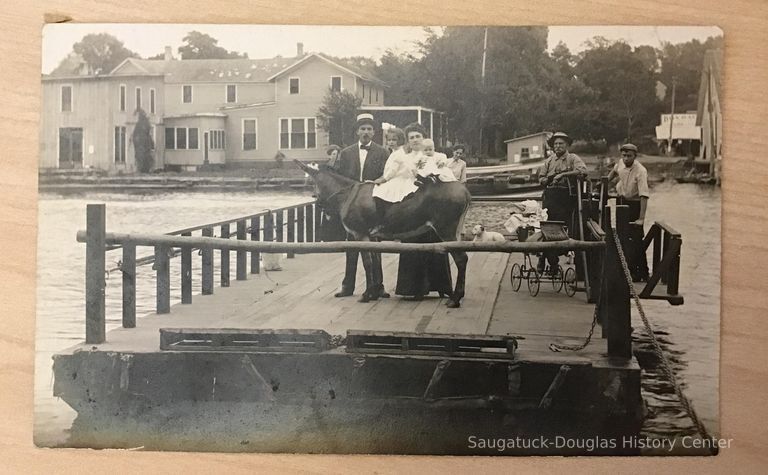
[{"x": 301, "y": 297}]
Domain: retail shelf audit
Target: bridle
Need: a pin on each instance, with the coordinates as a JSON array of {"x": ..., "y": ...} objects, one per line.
[{"x": 323, "y": 203}]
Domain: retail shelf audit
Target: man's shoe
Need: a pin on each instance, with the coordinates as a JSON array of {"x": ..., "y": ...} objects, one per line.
[{"x": 344, "y": 293}]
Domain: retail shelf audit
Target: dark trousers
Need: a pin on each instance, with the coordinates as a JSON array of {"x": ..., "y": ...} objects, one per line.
[
  {"x": 350, "y": 270},
  {"x": 560, "y": 206},
  {"x": 632, "y": 243}
]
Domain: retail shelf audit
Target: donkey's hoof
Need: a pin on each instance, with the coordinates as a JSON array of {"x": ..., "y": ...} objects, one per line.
[{"x": 453, "y": 304}]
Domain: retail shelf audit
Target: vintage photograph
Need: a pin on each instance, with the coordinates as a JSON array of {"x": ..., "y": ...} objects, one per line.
[{"x": 467, "y": 240}]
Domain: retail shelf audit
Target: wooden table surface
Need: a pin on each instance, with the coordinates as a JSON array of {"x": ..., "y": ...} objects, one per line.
[{"x": 745, "y": 240}]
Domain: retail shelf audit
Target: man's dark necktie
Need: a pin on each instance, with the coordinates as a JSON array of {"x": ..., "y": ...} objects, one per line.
[{"x": 365, "y": 147}]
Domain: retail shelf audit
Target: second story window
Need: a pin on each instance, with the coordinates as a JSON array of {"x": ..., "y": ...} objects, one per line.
[
  {"x": 294, "y": 85},
  {"x": 151, "y": 101},
  {"x": 336, "y": 83},
  {"x": 121, "y": 98},
  {"x": 66, "y": 98},
  {"x": 186, "y": 94},
  {"x": 138, "y": 98},
  {"x": 231, "y": 93}
]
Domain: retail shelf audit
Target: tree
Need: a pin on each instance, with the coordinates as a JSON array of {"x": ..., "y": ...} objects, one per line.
[
  {"x": 624, "y": 88},
  {"x": 143, "y": 145},
  {"x": 102, "y": 52},
  {"x": 682, "y": 63},
  {"x": 337, "y": 115},
  {"x": 201, "y": 46}
]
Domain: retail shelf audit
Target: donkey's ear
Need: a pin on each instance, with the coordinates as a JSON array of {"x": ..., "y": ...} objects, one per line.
[{"x": 306, "y": 168}]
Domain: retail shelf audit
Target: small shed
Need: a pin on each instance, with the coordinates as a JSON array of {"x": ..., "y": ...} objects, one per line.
[{"x": 529, "y": 148}]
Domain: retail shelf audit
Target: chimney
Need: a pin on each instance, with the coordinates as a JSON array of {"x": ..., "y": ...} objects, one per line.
[
  {"x": 168, "y": 53},
  {"x": 299, "y": 50}
]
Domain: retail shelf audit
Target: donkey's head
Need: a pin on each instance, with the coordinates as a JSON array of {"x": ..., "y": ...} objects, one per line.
[{"x": 331, "y": 187}]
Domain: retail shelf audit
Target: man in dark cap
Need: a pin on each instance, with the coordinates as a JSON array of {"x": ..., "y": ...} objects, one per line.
[
  {"x": 362, "y": 161},
  {"x": 558, "y": 175},
  {"x": 632, "y": 190}
]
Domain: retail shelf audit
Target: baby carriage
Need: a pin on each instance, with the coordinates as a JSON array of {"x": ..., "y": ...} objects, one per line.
[{"x": 550, "y": 231}]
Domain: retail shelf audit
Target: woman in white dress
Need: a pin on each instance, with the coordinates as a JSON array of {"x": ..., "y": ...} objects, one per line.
[{"x": 399, "y": 176}]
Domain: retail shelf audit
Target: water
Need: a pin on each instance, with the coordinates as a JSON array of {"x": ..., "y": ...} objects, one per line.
[{"x": 690, "y": 333}]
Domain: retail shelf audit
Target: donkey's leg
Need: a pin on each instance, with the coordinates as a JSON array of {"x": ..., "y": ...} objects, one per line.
[{"x": 461, "y": 259}]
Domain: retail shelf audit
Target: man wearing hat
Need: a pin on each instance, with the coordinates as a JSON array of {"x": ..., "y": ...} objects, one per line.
[
  {"x": 555, "y": 177},
  {"x": 362, "y": 161},
  {"x": 632, "y": 190}
]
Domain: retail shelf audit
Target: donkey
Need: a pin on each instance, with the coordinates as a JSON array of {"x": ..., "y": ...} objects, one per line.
[{"x": 435, "y": 207}]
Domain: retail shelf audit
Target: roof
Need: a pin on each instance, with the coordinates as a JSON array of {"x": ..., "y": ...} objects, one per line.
[
  {"x": 210, "y": 70},
  {"x": 713, "y": 66},
  {"x": 528, "y": 136},
  {"x": 353, "y": 67}
]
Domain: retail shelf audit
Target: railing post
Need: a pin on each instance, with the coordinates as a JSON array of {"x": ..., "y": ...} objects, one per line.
[
  {"x": 207, "y": 265},
  {"x": 255, "y": 232},
  {"x": 128, "y": 268},
  {"x": 291, "y": 228},
  {"x": 310, "y": 215},
  {"x": 300, "y": 224},
  {"x": 186, "y": 272},
  {"x": 269, "y": 227},
  {"x": 656, "y": 229},
  {"x": 616, "y": 301},
  {"x": 318, "y": 222},
  {"x": 163, "y": 273},
  {"x": 225, "y": 257},
  {"x": 242, "y": 256},
  {"x": 665, "y": 239},
  {"x": 279, "y": 226},
  {"x": 676, "y": 243},
  {"x": 95, "y": 313}
]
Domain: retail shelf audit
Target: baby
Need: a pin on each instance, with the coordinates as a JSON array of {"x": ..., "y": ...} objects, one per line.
[{"x": 434, "y": 163}]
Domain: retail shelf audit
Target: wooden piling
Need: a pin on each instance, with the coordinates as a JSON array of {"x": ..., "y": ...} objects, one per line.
[
  {"x": 616, "y": 299},
  {"x": 128, "y": 268},
  {"x": 95, "y": 313},
  {"x": 207, "y": 265}
]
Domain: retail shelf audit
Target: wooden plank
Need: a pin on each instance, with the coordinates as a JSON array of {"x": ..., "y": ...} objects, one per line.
[
  {"x": 128, "y": 268},
  {"x": 309, "y": 211},
  {"x": 186, "y": 273},
  {"x": 95, "y": 313},
  {"x": 207, "y": 265},
  {"x": 279, "y": 222},
  {"x": 300, "y": 218}
]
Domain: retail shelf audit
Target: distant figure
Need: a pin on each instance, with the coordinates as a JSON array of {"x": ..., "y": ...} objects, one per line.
[
  {"x": 333, "y": 156},
  {"x": 457, "y": 164},
  {"x": 481, "y": 235},
  {"x": 632, "y": 188}
]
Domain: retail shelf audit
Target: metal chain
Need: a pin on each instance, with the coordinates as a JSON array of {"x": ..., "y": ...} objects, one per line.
[
  {"x": 666, "y": 369},
  {"x": 556, "y": 347}
]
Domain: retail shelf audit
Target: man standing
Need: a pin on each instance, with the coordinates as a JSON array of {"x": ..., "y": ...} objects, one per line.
[
  {"x": 555, "y": 175},
  {"x": 632, "y": 190},
  {"x": 363, "y": 161}
]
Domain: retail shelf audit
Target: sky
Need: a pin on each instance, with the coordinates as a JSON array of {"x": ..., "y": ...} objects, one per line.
[{"x": 267, "y": 41}]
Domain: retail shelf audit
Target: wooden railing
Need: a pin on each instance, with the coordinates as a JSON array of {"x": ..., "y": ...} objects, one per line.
[
  {"x": 665, "y": 264},
  {"x": 265, "y": 227}
]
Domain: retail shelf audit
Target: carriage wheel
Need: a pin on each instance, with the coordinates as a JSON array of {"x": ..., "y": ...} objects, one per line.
[
  {"x": 533, "y": 282},
  {"x": 558, "y": 279},
  {"x": 516, "y": 276},
  {"x": 569, "y": 280}
]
